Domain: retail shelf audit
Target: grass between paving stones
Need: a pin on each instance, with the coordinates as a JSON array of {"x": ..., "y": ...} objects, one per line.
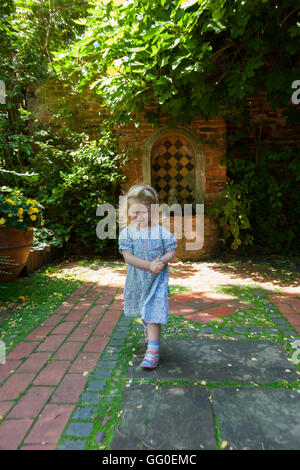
[
  {"x": 107, "y": 413},
  {"x": 46, "y": 291},
  {"x": 254, "y": 317},
  {"x": 51, "y": 359},
  {"x": 43, "y": 293},
  {"x": 254, "y": 323}
]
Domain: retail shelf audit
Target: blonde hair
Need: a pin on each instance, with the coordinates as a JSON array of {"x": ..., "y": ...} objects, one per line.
[{"x": 141, "y": 193}]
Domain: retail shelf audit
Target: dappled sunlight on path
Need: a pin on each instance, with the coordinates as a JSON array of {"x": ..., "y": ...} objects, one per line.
[{"x": 199, "y": 275}]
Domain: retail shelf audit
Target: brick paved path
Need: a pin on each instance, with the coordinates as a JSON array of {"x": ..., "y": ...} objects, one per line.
[{"x": 43, "y": 376}]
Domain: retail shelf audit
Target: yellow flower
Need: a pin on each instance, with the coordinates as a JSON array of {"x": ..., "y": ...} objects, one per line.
[
  {"x": 22, "y": 298},
  {"x": 20, "y": 212},
  {"x": 32, "y": 210},
  {"x": 31, "y": 201},
  {"x": 33, "y": 217},
  {"x": 2, "y": 221},
  {"x": 10, "y": 200},
  {"x": 9, "y": 214}
]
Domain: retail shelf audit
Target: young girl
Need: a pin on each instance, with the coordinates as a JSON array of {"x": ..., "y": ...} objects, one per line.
[{"x": 147, "y": 248}]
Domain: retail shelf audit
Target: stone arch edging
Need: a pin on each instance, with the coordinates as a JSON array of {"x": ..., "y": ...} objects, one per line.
[{"x": 198, "y": 154}]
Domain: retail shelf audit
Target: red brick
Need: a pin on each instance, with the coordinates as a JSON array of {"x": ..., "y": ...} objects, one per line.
[
  {"x": 64, "y": 308},
  {"x": 5, "y": 406},
  {"x": 96, "y": 344},
  {"x": 183, "y": 298},
  {"x": 75, "y": 315},
  {"x": 285, "y": 309},
  {"x": 68, "y": 350},
  {"x": 22, "y": 350},
  {"x": 90, "y": 319},
  {"x": 34, "y": 362},
  {"x": 64, "y": 328},
  {"x": 39, "y": 333},
  {"x": 91, "y": 297},
  {"x": 105, "y": 328},
  {"x": 39, "y": 447},
  {"x": 12, "y": 432},
  {"x": 84, "y": 362},
  {"x": 276, "y": 298},
  {"x": 293, "y": 318},
  {"x": 181, "y": 309},
  {"x": 202, "y": 317},
  {"x": 50, "y": 424},
  {"x": 220, "y": 311},
  {"x": 52, "y": 374},
  {"x": 113, "y": 313},
  {"x": 97, "y": 309},
  {"x": 69, "y": 389},
  {"x": 81, "y": 333},
  {"x": 82, "y": 306},
  {"x": 86, "y": 285},
  {"x": 111, "y": 316},
  {"x": 104, "y": 301},
  {"x": 30, "y": 404},
  {"x": 5, "y": 369},
  {"x": 118, "y": 305},
  {"x": 51, "y": 343},
  {"x": 295, "y": 304},
  {"x": 15, "y": 385},
  {"x": 52, "y": 321}
]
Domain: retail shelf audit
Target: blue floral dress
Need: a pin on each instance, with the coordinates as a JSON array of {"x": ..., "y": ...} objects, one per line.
[{"x": 146, "y": 293}]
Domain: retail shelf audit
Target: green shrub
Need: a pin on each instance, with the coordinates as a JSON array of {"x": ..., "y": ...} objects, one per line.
[
  {"x": 77, "y": 175},
  {"x": 262, "y": 199}
]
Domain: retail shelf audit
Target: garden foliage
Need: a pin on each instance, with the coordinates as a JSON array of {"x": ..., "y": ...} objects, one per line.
[{"x": 193, "y": 57}]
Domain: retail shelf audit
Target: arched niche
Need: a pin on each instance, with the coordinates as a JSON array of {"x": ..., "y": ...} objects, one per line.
[{"x": 173, "y": 159}]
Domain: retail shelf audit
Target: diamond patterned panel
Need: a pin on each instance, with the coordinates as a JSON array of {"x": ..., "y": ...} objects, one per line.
[{"x": 173, "y": 167}]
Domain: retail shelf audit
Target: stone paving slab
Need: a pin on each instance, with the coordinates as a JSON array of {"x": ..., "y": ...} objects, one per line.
[
  {"x": 216, "y": 360},
  {"x": 169, "y": 418},
  {"x": 258, "y": 419}
]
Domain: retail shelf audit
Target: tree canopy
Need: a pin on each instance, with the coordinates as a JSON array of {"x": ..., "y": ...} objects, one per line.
[{"x": 192, "y": 57}]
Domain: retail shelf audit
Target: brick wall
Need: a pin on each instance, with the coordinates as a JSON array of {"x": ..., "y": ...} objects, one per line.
[
  {"x": 212, "y": 134},
  {"x": 269, "y": 124},
  {"x": 86, "y": 116}
]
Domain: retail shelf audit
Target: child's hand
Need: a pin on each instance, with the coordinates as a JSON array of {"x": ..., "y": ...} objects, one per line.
[{"x": 156, "y": 266}]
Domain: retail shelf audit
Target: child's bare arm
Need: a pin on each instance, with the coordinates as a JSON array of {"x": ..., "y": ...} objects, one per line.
[
  {"x": 154, "y": 266},
  {"x": 135, "y": 261},
  {"x": 168, "y": 256}
]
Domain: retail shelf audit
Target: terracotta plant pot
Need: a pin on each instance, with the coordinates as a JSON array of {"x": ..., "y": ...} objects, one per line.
[{"x": 16, "y": 244}]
